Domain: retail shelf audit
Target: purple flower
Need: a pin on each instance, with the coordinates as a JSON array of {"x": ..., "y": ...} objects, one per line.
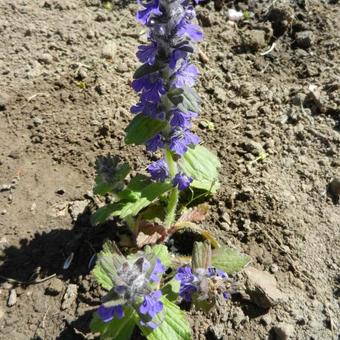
[
  {"x": 212, "y": 271},
  {"x": 192, "y": 30},
  {"x": 154, "y": 143},
  {"x": 151, "y": 304},
  {"x": 186, "y": 75},
  {"x": 107, "y": 314},
  {"x": 147, "y": 53},
  {"x": 150, "y": 324},
  {"x": 175, "y": 56},
  {"x": 181, "y": 139},
  {"x": 154, "y": 92},
  {"x": 181, "y": 119},
  {"x": 146, "y": 108},
  {"x": 151, "y": 8},
  {"x": 182, "y": 181},
  {"x": 159, "y": 170},
  {"x": 185, "y": 275},
  {"x": 186, "y": 291},
  {"x": 159, "y": 268}
]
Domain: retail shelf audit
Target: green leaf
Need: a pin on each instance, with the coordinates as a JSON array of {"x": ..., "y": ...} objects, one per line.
[
  {"x": 144, "y": 70},
  {"x": 160, "y": 251},
  {"x": 142, "y": 128},
  {"x": 170, "y": 290},
  {"x": 229, "y": 260},
  {"x": 202, "y": 165},
  {"x": 172, "y": 324},
  {"x": 110, "y": 259},
  {"x": 115, "y": 329},
  {"x": 105, "y": 212},
  {"x": 190, "y": 99},
  {"x": 147, "y": 195},
  {"x": 201, "y": 255}
]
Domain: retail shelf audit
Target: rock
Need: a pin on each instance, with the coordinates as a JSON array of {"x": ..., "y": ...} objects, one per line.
[
  {"x": 254, "y": 39},
  {"x": 3, "y": 212},
  {"x": 283, "y": 331},
  {"x": 333, "y": 190},
  {"x": 274, "y": 268},
  {"x": 266, "y": 320},
  {"x": 70, "y": 296},
  {"x": 109, "y": 50},
  {"x": 45, "y": 58},
  {"x": 262, "y": 288},
  {"x": 76, "y": 208},
  {"x": 304, "y": 39},
  {"x": 281, "y": 16},
  {"x": 252, "y": 147},
  {"x": 37, "y": 121},
  {"x": 2, "y": 313},
  {"x": 3, "y": 101},
  {"x": 217, "y": 331},
  {"x": 90, "y": 34},
  {"x": 12, "y": 298},
  {"x": 81, "y": 74},
  {"x": 55, "y": 287},
  {"x": 122, "y": 67}
]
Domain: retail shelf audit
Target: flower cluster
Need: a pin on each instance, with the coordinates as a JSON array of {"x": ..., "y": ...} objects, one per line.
[
  {"x": 168, "y": 80},
  {"x": 132, "y": 287},
  {"x": 206, "y": 283}
]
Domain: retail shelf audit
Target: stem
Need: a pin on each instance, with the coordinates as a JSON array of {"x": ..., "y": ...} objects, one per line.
[{"x": 174, "y": 194}]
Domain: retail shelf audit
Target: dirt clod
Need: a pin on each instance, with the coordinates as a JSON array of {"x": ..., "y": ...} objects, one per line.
[
  {"x": 12, "y": 298},
  {"x": 70, "y": 296},
  {"x": 262, "y": 288},
  {"x": 283, "y": 331}
]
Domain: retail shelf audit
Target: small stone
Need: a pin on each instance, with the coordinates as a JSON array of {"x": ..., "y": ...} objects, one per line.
[
  {"x": 109, "y": 50},
  {"x": 254, "y": 39},
  {"x": 45, "y": 58},
  {"x": 3, "y": 212},
  {"x": 217, "y": 331},
  {"x": 5, "y": 187},
  {"x": 37, "y": 121},
  {"x": 90, "y": 34},
  {"x": 283, "y": 331},
  {"x": 70, "y": 296},
  {"x": 55, "y": 287},
  {"x": 304, "y": 39},
  {"x": 3, "y": 102},
  {"x": 12, "y": 298},
  {"x": 81, "y": 74},
  {"x": 262, "y": 288},
  {"x": 274, "y": 268},
  {"x": 266, "y": 320},
  {"x": 252, "y": 147},
  {"x": 122, "y": 68},
  {"x": 101, "y": 17},
  {"x": 100, "y": 89},
  {"x": 76, "y": 208}
]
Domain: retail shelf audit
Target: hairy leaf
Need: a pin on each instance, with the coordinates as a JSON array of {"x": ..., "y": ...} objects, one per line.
[
  {"x": 229, "y": 260},
  {"x": 172, "y": 324},
  {"x": 160, "y": 251},
  {"x": 170, "y": 290},
  {"x": 104, "y": 213},
  {"x": 201, "y": 255},
  {"x": 202, "y": 165}
]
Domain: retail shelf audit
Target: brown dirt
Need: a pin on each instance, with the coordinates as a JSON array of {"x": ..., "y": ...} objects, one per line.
[{"x": 62, "y": 105}]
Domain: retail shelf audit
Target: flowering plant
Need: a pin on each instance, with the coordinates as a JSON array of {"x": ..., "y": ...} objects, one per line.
[{"x": 143, "y": 287}]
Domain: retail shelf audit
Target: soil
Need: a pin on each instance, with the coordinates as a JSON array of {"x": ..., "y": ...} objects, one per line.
[{"x": 65, "y": 94}]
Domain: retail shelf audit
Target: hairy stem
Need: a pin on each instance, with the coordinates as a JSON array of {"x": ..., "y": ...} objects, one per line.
[{"x": 174, "y": 194}]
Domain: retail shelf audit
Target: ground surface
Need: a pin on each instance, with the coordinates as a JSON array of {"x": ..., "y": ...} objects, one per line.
[{"x": 64, "y": 100}]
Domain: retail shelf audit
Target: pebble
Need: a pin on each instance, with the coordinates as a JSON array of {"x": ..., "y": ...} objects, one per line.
[
  {"x": 283, "y": 331},
  {"x": 37, "y": 121},
  {"x": 3, "y": 212},
  {"x": 304, "y": 39},
  {"x": 334, "y": 189},
  {"x": 55, "y": 287},
  {"x": 262, "y": 288},
  {"x": 45, "y": 58},
  {"x": 3, "y": 102},
  {"x": 252, "y": 147},
  {"x": 266, "y": 319},
  {"x": 274, "y": 268},
  {"x": 70, "y": 296},
  {"x": 12, "y": 298},
  {"x": 109, "y": 50}
]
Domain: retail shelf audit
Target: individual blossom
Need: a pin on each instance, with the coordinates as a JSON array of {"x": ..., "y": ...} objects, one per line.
[
  {"x": 181, "y": 139},
  {"x": 181, "y": 119},
  {"x": 205, "y": 283},
  {"x": 159, "y": 170},
  {"x": 185, "y": 76},
  {"x": 132, "y": 287},
  {"x": 182, "y": 181},
  {"x": 147, "y": 53},
  {"x": 150, "y": 8},
  {"x": 154, "y": 143}
]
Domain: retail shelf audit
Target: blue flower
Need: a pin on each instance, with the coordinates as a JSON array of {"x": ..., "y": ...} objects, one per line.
[
  {"x": 154, "y": 143},
  {"x": 151, "y": 8},
  {"x": 184, "y": 274},
  {"x": 186, "y": 75},
  {"x": 181, "y": 139},
  {"x": 175, "y": 56},
  {"x": 146, "y": 108},
  {"x": 186, "y": 291},
  {"x": 158, "y": 269},
  {"x": 182, "y": 119},
  {"x": 147, "y": 53},
  {"x": 159, "y": 170},
  {"x": 108, "y": 313},
  {"x": 152, "y": 304},
  {"x": 182, "y": 181}
]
